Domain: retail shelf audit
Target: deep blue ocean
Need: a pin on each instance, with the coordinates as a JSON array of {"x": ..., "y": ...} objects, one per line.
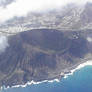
[{"x": 80, "y": 81}]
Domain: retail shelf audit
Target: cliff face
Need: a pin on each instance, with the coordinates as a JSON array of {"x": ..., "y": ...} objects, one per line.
[{"x": 42, "y": 54}]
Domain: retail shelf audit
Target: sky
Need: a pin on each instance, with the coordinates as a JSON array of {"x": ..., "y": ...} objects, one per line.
[{"x": 23, "y": 7}]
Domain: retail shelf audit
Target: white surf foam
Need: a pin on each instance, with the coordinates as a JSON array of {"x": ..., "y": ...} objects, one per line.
[{"x": 79, "y": 67}]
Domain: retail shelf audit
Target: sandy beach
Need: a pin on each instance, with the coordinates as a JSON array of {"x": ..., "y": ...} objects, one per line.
[{"x": 87, "y": 63}]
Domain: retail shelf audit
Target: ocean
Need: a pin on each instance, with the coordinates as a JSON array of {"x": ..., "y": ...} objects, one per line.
[{"x": 80, "y": 81}]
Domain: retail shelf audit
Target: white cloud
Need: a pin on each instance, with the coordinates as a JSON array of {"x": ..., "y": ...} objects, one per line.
[
  {"x": 22, "y": 7},
  {"x": 89, "y": 39},
  {"x": 3, "y": 43}
]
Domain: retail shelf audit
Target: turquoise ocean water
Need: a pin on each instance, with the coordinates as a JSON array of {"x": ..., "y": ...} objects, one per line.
[{"x": 80, "y": 81}]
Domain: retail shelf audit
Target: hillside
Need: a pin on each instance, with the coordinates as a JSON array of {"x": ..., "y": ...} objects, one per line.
[{"x": 42, "y": 54}]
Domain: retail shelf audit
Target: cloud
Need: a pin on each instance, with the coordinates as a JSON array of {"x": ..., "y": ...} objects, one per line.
[
  {"x": 4, "y": 3},
  {"x": 3, "y": 43},
  {"x": 89, "y": 39},
  {"x": 23, "y": 7}
]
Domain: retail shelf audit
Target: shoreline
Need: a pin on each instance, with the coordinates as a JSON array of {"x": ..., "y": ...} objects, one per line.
[
  {"x": 29, "y": 83},
  {"x": 82, "y": 65}
]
